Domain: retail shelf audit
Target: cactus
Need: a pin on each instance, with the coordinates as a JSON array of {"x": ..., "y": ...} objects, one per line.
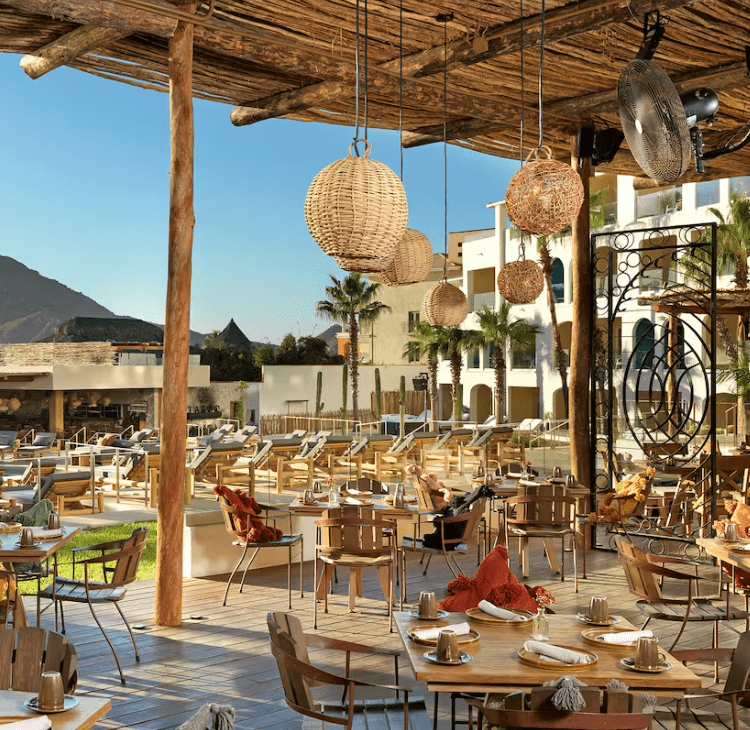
[
  {"x": 318, "y": 393},
  {"x": 344, "y": 397},
  {"x": 402, "y": 404},
  {"x": 378, "y": 396}
]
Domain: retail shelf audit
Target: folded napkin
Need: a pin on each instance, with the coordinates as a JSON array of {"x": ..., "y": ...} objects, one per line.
[
  {"x": 432, "y": 634},
  {"x": 43, "y": 533},
  {"x": 33, "y": 723},
  {"x": 351, "y": 500},
  {"x": 498, "y": 612},
  {"x": 624, "y": 637},
  {"x": 556, "y": 653},
  {"x": 357, "y": 491}
]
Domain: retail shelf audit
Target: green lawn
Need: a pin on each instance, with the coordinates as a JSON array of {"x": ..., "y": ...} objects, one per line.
[{"x": 108, "y": 533}]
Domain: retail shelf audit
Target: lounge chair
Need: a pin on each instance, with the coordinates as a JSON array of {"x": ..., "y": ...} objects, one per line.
[
  {"x": 44, "y": 442},
  {"x": 66, "y": 490},
  {"x": 7, "y": 442}
]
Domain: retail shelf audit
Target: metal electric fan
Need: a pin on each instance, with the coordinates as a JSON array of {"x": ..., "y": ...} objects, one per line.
[{"x": 660, "y": 125}]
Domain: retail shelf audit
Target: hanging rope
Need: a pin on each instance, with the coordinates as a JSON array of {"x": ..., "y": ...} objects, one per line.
[
  {"x": 357, "y": 74},
  {"x": 367, "y": 48},
  {"x": 445, "y": 19},
  {"x": 522, "y": 245},
  {"x": 401, "y": 87},
  {"x": 541, "y": 82}
]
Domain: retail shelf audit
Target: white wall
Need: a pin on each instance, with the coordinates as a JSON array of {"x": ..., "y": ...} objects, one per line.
[{"x": 282, "y": 383}]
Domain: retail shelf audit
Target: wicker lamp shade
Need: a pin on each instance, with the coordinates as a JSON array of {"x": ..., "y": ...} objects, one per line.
[
  {"x": 445, "y": 305},
  {"x": 357, "y": 212},
  {"x": 521, "y": 282},
  {"x": 544, "y": 196},
  {"x": 411, "y": 261}
]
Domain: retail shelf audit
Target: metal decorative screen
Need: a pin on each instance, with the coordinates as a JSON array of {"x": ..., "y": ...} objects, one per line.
[{"x": 653, "y": 382}]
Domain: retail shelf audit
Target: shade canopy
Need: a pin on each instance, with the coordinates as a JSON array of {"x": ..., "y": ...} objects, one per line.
[{"x": 293, "y": 59}]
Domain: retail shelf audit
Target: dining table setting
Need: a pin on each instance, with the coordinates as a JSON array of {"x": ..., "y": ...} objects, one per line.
[{"x": 494, "y": 649}]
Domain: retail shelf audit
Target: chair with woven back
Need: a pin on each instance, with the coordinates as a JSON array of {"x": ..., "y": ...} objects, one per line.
[
  {"x": 645, "y": 575},
  {"x": 300, "y": 678},
  {"x": 119, "y": 561},
  {"x": 26, "y": 652},
  {"x": 350, "y": 537},
  {"x": 254, "y": 526}
]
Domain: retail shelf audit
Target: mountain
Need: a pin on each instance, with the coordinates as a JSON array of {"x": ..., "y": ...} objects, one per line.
[
  {"x": 31, "y": 305},
  {"x": 329, "y": 336}
]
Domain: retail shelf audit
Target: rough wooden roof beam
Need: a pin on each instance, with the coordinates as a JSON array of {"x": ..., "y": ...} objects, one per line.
[
  {"x": 67, "y": 48},
  {"x": 561, "y": 24},
  {"x": 719, "y": 78}
]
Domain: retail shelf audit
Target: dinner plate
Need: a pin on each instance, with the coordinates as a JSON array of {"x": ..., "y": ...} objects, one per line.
[
  {"x": 69, "y": 704},
  {"x": 739, "y": 548},
  {"x": 415, "y": 614},
  {"x": 536, "y": 660},
  {"x": 611, "y": 621},
  {"x": 593, "y": 636},
  {"x": 629, "y": 663},
  {"x": 431, "y": 656},
  {"x": 478, "y": 615},
  {"x": 11, "y": 528},
  {"x": 469, "y": 638}
]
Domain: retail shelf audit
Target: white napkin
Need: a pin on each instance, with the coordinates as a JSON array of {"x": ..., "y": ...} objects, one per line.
[
  {"x": 498, "y": 612},
  {"x": 432, "y": 634},
  {"x": 351, "y": 500},
  {"x": 33, "y": 723},
  {"x": 357, "y": 491},
  {"x": 43, "y": 533},
  {"x": 624, "y": 637},
  {"x": 557, "y": 653}
]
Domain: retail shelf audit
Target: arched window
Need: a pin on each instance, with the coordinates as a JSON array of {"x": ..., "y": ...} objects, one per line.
[
  {"x": 643, "y": 345},
  {"x": 558, "y": 280}
]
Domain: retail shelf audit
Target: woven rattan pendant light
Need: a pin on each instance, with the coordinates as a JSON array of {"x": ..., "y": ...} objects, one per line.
[
  {"x": 522, "y": 281},
  {"x": 445, "y": 305},
  {"x": 544, "y": 197},
  {"x": 413, "y": 257},
  {"x": 356, "y": 208}
]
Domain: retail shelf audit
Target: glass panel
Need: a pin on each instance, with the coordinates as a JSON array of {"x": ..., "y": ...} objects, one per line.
[
  {"x": 524, "y": 358},
  {"x": 667, "y": 201},
  {"x": 741, "y": 186},
  {"x": 708, "y": 193},
  {"x": 473, "y": 359},
  {"x": 644, "y": 344},
  {"x": 558, "y": 280}
]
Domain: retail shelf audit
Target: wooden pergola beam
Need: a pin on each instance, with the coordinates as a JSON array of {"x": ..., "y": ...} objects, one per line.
[
  {"x": 719, "y": 78},
  {"x": 561, "y": 24},
  {"x": 67, "y": 48}
]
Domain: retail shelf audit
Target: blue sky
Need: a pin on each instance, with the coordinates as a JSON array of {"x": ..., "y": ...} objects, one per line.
[{"x": 84, "y": 185}]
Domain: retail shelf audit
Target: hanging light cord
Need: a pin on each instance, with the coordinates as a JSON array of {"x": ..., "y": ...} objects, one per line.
[
  {"x": 445, "y": 145},
  {"x": 541, "y": 82},
  {"x": 522, "y": 245},
  {"x": 367, "y": 47},
  {"x": 356, "y": 73},
  {"x": 401, "y": 87}
]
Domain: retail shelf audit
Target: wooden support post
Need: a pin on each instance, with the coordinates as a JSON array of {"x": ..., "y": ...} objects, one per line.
[
  {"x": 580, "y": 345},
  {"x": 168, "y": 609},
  {"x": 57, "y": 411}
]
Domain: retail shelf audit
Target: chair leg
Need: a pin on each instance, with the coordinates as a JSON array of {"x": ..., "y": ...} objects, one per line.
[
  {"x": 315, "y": 591},
  {"x": 247, "y": 567},
  {"x": 429, "y": 557},
  {"x": 130, "y": 631},
  {"x": 111, "y": 645},
  {"x": 301, "y": 567},
  {"x": 716, "y": 646},
  {"x": 236, "y": 568},
  {"x": 575, "y": 559},
  {"x": 289, "y": 574}
]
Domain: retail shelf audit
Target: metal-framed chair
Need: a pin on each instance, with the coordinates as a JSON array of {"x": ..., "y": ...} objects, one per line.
[{"x": 119, "y": 561}]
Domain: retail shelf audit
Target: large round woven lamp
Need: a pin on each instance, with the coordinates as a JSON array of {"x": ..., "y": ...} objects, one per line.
[
  {"x": 445, "y": 305},
  {"x": 411, "y": 261},
  {"x": 545, "y": 196}
]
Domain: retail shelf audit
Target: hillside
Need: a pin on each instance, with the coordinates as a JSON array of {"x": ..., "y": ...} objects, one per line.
[{"x": 31, "y": 305}]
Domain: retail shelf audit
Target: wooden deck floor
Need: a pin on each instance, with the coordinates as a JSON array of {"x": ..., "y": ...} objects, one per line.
[{"x": 221, "y": 655}]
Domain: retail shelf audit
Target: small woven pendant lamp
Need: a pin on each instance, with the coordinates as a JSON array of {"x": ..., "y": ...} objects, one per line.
[
  {"x": 445, "y": 305},
  {"x": 411, "y": 261},
  {"x": 522, "y": 281}
]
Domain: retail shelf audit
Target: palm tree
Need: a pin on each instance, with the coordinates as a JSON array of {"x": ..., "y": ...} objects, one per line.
[
  {"x": 498, "y": 331},
  {"x": 426, "y": 343},
  {"x": 352, "y": 303},
  {"x": 733, "y": 250},
  {"x": 452, "y": 342}
]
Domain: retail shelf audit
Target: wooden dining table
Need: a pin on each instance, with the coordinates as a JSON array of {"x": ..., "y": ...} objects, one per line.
[
  {"x": 83, "y": 717},
  {"x": 12, "y": 552},
  {"x": 496, "y": 667}
]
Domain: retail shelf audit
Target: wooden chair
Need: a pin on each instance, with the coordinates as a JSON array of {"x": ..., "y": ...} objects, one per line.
[
  {"x": 299, "y": 677},
  {"x": 351, "y": 538},
  {"x": 604, "y": 710},
  {"x": 233, "y": 516},
  {"x": 546, "y": 515},
  {"x": 28, "y": 651},
  {"x": 644, "y": 575},
  {"x": 68, "y": 490},
  {"x": 126, "y": 556},
  {"x": 736, "y": 691}
]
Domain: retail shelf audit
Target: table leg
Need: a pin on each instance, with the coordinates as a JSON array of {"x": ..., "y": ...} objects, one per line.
[{"x": 549, "y": 546}]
